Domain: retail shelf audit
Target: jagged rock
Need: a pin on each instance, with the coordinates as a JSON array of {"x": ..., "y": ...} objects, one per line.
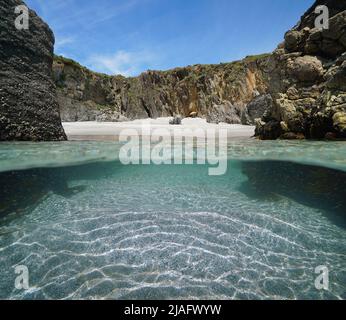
[
  {"x": 293, "y": 93},
  {"x": 339, "y": 122},
  {"x": 306, "y": 69},
  {"x": 338, "y": 80},
  {"x": 268, "y": 130},
  {"x": 292, "y": 40},
  {"x": 218, "y": 93},
  {"x": 226, "y": 113},
  {"x": 256, "y": 108},
  {"x": 308, "y": 80},
  {"x": 28, "y": 106}
]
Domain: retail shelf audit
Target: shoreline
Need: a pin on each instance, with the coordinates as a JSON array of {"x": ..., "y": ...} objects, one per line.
[{"x": 111, "y": 131}]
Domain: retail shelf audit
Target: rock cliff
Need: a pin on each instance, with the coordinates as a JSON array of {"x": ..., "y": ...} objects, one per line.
[
  {"x": 218, "y": 93},
  {"x": 28, "y": 106},
  {"x": 298, "y": 91},
  {"x": 307, "y": 80}
]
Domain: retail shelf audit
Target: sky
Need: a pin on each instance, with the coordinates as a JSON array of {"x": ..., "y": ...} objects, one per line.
[{"x": 131, "y": 36}]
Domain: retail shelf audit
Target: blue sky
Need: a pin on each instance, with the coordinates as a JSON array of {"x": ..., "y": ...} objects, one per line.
[{"x": 131, "y": 36}]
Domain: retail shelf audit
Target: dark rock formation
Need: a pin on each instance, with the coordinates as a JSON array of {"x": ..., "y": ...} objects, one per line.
[
  {"x": 176, "y": 120},
  {"x": 28, "y": 106},
  {"x": 218, "y": 93},
  {"x": 317, "y": 187},
  {"x": 307, "y": 80}
]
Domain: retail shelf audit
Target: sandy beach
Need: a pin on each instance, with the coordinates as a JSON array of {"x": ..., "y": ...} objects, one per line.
[{"x": 108, "y": 131}]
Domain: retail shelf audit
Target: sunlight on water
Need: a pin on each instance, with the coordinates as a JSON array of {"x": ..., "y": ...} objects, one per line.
[{"x": 105, "y": 230}]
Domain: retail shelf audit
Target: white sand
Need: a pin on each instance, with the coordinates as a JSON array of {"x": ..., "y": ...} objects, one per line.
[{"x": 157, "y": 127}]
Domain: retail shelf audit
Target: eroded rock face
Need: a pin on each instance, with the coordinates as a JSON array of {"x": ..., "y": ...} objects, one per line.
[
  {"x": 256, "y": 109},
  {"x": 305, "y": 69},
  {"x": 307, "y": 80},
  {"x": 299, "y": 91},
  {"x": 28, "y": 106},
  {"x": 218, "y": 93}
]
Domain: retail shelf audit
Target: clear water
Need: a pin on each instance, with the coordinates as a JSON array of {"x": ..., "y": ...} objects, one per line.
[{"x": 87, "y": 226}]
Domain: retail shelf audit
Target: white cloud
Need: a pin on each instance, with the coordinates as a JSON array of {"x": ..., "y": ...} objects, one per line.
[
  {"x": 60, "y": 42},
  {"x": 67, "y": 14},
  {"x": 122, "y": 62}
]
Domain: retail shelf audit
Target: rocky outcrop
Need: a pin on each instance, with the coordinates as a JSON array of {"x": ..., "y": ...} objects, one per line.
[
  {"x": 256, "y": 108},
  {"x": 28, "y": 106},
  {"x": 307, "y": 80},
  {"x": 298, "y": 91},
  {"x": 218, "y": 93}
]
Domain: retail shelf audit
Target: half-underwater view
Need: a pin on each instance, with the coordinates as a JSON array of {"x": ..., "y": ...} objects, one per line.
[{"x": 172, "y": 150}]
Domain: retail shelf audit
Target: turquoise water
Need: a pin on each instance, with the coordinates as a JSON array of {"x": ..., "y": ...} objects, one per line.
[{"x": 87, "y": 226}]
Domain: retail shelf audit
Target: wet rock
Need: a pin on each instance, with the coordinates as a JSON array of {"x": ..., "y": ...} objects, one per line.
[
  {"x": 292, "y": 136},
  {"x": 330, "y": 136}
]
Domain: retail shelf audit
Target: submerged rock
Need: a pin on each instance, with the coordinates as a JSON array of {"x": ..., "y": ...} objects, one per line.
[
  {"x": 29, "y": 109},
  {"x": 314, "y": 186}
]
